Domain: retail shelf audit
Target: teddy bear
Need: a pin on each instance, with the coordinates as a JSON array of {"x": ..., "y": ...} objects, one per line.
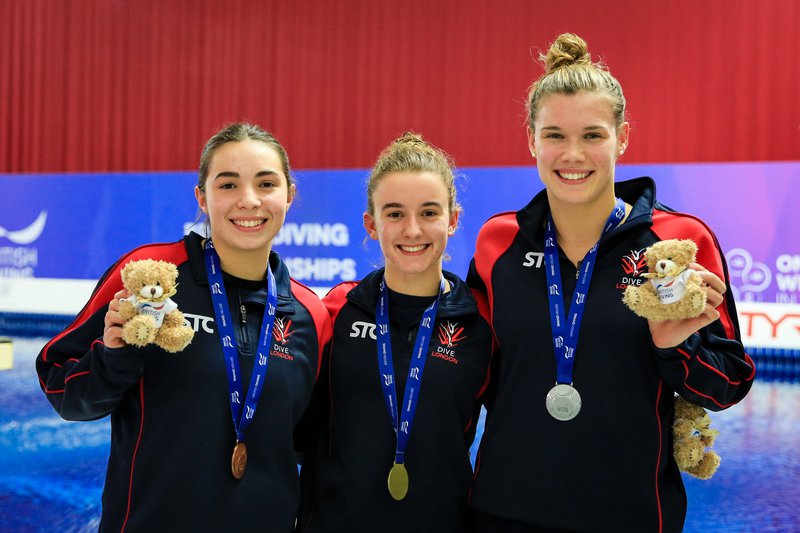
[
  {"x": 150, "y": 314},
  {"x": 691, "y": 436},
  {"x": 675, "y": 291}
]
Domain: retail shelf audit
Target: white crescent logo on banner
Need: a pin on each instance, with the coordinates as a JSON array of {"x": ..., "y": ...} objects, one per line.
[{"x": 26, "y": 235}]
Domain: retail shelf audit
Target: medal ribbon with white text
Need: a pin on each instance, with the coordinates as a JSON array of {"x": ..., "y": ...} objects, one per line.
[
  {"x": 565, "y": 333},
  {"x": 242, "y": 418},
  {"x": 402, "y": 427}
]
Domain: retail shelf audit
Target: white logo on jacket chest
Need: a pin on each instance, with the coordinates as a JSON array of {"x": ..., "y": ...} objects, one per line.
[
  {"x": 196, "y": 322},
  {"x": 533, "y": 259},
  {"x": 361, "y": 330}
]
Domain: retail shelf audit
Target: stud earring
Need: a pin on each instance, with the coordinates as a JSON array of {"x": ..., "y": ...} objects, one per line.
[
  {"x": 533, "y": 153},
  {"x": 622, "y": 151}
]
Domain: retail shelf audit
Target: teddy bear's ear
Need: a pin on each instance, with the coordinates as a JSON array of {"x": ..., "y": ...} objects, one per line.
[
  {"x": 168, "y": 271},
  {"x": 126, "y": 272},
  {"x": 689, "y": 249}
]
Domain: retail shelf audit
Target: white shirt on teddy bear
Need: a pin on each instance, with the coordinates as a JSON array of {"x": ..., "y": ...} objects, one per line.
[
  {"x": 157, "y": 310},
  {"x": 669, "y": 289}
]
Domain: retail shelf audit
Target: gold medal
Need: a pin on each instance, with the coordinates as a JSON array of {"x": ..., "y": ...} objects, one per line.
[
  {"x": 398, "y": 481},
  {"x": 239, "y": 460}
]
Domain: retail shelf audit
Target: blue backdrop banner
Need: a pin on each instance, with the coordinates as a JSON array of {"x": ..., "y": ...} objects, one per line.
[{"x": 73, "y": 226}]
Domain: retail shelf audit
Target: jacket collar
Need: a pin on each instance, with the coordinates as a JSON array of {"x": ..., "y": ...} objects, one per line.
[
  {"x": 458, "y": 301},
  {"x": 640, "y": 193},
  {"x": 283, "y": 283}
]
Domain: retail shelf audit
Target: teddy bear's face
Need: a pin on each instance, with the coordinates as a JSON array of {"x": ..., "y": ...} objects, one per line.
[
  {"x": 667, "y": 257},
  {"x": 150, "y": 280}
]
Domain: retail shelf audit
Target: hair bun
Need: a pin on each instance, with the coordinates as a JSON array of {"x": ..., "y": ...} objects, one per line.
[
  {"x": 566, "y": 50},
  {"x": 410, "y": 138}
]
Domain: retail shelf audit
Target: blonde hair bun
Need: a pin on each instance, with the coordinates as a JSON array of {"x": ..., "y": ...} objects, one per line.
[
  {"x": 412, "y": 153},
  {"x": 569, "y": 69},
  {"x": 567, "y": 49},
  {"x": 410, "y": 138}
]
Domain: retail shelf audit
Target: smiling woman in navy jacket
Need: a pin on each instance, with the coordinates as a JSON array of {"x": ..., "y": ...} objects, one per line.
[
  {"x": 177, "y": 449},
  {"x": 579, "y": 435},
  {"x": 407, "y": 368}
]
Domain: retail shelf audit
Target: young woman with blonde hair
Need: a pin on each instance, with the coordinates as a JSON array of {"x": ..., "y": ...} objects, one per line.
[
  {"x": 407, "y": 367},
  {"x": 579, "y": 435}
]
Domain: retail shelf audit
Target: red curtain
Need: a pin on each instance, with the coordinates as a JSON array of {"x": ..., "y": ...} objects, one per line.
[{"x": 113, "y": 85}]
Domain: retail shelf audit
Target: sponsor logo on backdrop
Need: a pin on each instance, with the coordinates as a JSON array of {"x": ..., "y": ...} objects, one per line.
[
  {"x": 752, "y": 281},
  {"x": 787, "y": 278},
  {"x": 749, "y": 279},
  {"x": 315, "y": 235},
  {"x": 769, "y": 324},
  {"x": 20, "y": 261}
]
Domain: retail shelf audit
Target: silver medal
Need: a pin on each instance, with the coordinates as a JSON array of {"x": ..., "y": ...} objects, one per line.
[{"x": 563, "y": 402}]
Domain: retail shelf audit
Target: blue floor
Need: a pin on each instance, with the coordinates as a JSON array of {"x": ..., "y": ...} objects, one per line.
[{"x": 51, "y": 471}]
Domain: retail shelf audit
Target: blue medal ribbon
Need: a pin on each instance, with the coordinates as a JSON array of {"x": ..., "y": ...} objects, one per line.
[
  {"x": 402, "y": 427},
  {"x": 565, "y": 333},
  {"x": 242, "y": 414}
]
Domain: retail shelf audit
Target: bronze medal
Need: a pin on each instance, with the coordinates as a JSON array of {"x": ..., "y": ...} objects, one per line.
[
  {"x": 239, "y": 460},
  {"x": 398, "y": 481}
]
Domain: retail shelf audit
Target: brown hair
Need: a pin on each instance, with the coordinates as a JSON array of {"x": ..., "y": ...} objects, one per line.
[
  {"x": 237, "y": 132},
  {"x": 411, "y": 153},
  {"x": 569, "y": 69}
]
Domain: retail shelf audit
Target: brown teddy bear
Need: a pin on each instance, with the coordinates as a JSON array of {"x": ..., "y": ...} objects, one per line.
[
  {"x": 691, "y": 436},
  {"x": 674, "y": 291},
  {"x": 149, "y": 313}
]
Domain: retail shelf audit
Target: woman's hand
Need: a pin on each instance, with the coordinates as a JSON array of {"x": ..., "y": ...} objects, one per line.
[
  {"x": 670, "y": 333},
  {"x": 112, "y": 328}
]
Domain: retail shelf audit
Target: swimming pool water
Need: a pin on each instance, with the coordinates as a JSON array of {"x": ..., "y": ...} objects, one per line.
[{"x": 52, "y": 471}]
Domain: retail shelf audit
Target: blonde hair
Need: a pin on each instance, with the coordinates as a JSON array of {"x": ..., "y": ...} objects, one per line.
[
  {"x": 411, "y": 153},
  {"x": 569, "y": 69}
]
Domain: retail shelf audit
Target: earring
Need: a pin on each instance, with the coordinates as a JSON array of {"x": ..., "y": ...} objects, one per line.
[
  {"x": 204, "y": 210},
  {"x": 533, "y": 153},
  {"x": 451, "y": 230},
  {"x": 621, "y": 151}
]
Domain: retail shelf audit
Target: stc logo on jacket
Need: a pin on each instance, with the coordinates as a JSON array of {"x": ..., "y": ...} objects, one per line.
[
  {"x": 450, "y": 334},
  {"x": 633, "y": 266}
]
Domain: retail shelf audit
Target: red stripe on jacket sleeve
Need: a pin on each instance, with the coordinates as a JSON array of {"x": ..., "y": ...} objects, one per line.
[
  {"x": 669, "y": 225},
  {"x": 111, "y": 282},
  {"x": 494, "y": 239},
  {"x": 660, "y": 452},
  {"x": 336, "y": 298},
  {"x": 322, "y": 322},
  {"x": 133, "y": 459}
]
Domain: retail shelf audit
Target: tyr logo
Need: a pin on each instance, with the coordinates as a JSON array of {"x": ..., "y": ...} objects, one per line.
[
  {"x": 281, "y": 330},
  {"x": 450, "y": 334}
]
